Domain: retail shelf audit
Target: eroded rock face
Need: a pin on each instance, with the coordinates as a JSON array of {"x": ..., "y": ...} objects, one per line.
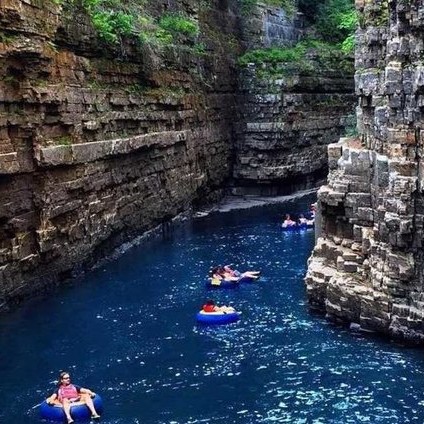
[
  {"x": 288, "y": 113},
  {"x": 100, "y": 143},
  {"x": 285, "y": 126},
  {"x": 367, "y": 266},
  {"x": 270, "y": 26}
]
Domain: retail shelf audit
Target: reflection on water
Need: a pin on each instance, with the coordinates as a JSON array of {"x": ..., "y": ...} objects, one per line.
[{"x": 128, "y": 332}]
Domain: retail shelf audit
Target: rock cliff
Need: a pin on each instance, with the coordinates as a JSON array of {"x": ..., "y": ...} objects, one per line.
[
  {"x": 100, "y": 141},
  {"x": 288, "y": 112},
  {"x": 367, "y": 266},
  {"x": 285, "y": 125},
  {"x": 107, "y": 132}
]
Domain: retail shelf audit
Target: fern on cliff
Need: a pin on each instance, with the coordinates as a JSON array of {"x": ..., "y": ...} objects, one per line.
[
  {"x": 303, "y": 57},
  {"x": 178, "y": 24},
  {"x": 111, "y": 25},
  {"x": 116, "y": 19}
]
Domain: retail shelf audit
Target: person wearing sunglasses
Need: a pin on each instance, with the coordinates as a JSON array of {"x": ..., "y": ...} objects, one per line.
[{"x": 67, "y": 394}]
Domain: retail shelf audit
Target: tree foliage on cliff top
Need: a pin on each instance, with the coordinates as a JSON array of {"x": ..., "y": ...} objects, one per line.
[
  {"x": 303, "y": 57},
  {"x": 115, "y": 19},
  {"x": 336, "y": 20},
  {"x": 331, "y": 40}
]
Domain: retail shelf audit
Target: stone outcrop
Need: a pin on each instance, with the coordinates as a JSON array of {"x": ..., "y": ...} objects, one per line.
[
  {"x": 288, "y": 112},
  {"x": 285, "y": 126},
  {"x": 367, "y": 266},
  {"x": 268, "y": 26},
  {"x": 99, "y": 143}
]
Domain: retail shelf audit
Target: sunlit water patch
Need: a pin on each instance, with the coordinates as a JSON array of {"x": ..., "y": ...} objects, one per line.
[{"x": 128, "y": 332}]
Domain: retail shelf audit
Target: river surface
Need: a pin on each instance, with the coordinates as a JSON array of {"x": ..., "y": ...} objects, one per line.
[{"x": 128, "y": 332}]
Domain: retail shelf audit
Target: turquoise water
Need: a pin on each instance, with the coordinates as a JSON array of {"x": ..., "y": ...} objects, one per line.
[{"x": 128, "y": 332}]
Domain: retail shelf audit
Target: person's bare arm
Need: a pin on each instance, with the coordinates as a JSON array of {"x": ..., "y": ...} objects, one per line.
[
  {"x": 50, "y": 400},
  {"x": 87, "y": 391}
]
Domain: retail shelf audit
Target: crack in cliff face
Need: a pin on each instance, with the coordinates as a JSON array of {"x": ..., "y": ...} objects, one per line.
[{"x": 387, "y": 230}]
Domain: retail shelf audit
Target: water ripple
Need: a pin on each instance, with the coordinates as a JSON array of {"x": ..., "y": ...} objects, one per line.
[{"x": 137, "y": 343}]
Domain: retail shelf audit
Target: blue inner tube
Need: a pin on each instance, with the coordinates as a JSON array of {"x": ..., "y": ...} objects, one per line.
[
  {"x": 305, "y": 226},
  {"x": 217, "y": 317},
  {"x": 290, "y": 228},
  {"x": 223, "y": 284},
  {"x": 79, "y": 411},
  {"x": 297, "y": 227}
]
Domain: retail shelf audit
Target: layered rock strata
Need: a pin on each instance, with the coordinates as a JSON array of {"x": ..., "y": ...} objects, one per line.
[
  {"x": 99, "y": 143},
  {"x": 287, "y": 114},
  {"x": 367, "y": 266},
  {"x": 268, "y": 26},
  {"x": 285, "y": 126}
]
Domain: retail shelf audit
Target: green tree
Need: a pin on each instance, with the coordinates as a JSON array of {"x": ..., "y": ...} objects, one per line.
[{"x": 336, "y": 20}]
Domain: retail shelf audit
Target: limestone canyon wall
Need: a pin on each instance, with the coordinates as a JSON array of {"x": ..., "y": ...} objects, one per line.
[
  {"x": 285, "y": 126},
  {"x": 288, "y": 113},
  {"x": 101, "y": 142},
  {"x": 105, "y": 135},
  {"x": 367, "y": 266}
]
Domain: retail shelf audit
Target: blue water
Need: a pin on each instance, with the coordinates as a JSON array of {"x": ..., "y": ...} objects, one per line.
[{"x": 127, "y": 331}]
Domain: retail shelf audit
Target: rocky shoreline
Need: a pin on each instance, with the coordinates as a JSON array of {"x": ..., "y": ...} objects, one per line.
[{"x": 231, "y": 202}]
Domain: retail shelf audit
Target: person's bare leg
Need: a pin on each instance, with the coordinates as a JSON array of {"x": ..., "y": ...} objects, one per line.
[
  {"x": 89, "y": 402},
  {"x": 250, "y": 275},
  {"x": 67, "y": 410},
  {"x": 228, "y": 309}
]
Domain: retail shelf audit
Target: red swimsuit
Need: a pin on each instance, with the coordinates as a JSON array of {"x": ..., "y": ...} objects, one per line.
[{"x": 208, "y": 308}]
